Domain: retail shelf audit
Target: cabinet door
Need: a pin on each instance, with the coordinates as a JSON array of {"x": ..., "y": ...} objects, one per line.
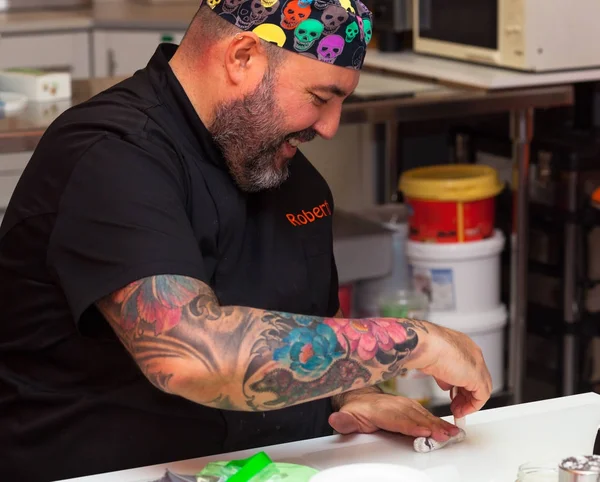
[
  {"x": 122, "y": 52},
  {"x": 11, "y": 168},
  {"x": 67, "y": 50}
]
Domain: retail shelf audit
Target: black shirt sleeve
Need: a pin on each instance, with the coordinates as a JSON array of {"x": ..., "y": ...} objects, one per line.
[
  {"x": 334, "y": 298},
  {"x": 334, "y": 288},
  {"x": 122, "y": 217}
]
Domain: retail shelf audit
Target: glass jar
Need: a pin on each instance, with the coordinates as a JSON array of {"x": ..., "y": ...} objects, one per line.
[
  {"x": 404, "y": 304},
  {"x": 531, "y": 472}
]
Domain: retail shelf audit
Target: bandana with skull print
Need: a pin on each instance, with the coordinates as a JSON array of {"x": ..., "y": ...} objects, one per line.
[{"x": 333, "y": 31}]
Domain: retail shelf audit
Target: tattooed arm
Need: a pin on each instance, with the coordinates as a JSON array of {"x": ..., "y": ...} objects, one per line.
[
  {"x": 338, "y": 401},
  {"x": 241, "y": 358}
]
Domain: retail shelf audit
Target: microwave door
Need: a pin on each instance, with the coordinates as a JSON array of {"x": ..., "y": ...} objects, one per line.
[{"x": 465, "y": 22}]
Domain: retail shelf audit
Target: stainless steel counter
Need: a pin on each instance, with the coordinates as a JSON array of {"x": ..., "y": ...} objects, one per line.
[
  {"x": 46, "y": 21},
  {"x": 378, "y": 99}
]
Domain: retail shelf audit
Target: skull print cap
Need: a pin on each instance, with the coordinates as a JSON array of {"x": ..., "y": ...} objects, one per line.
[{"x": 333, "y": 31}]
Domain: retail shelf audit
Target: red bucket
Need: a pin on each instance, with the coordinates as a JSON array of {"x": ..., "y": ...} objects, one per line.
[
  {"x": 451, "y": 222},
  {"x": 345, "y": 296},
  {"x": 451, "y": 204}
]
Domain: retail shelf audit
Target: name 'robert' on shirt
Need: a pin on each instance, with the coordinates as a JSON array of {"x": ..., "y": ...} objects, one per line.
[{"x": 306, "y": 217}]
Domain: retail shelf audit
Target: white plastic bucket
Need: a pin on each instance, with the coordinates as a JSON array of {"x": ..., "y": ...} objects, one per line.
[
  {"x": 486, "y": 329},
  {"x": 458, "y": 277}
]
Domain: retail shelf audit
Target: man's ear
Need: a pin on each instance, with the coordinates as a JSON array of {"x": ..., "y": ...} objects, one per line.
[{"x": 245, "y": 58}]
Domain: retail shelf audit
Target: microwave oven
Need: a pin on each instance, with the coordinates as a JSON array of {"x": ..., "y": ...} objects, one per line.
[{"x": 530, "y": 35}]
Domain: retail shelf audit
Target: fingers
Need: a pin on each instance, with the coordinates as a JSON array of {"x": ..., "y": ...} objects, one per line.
[
  {"x": 467, "y": 402},
  {"x": 344, "y": 423},
  {"x": 413, "y": 420},
  {"x": 441, "y": 425},
  {"x": 443, "y": 385}
]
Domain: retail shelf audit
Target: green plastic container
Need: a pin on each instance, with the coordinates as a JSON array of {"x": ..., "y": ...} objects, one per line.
[{"x": 258, "y": 468}]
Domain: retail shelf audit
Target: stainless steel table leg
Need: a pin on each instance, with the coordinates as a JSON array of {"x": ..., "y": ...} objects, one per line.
[
  {"x": 571, "y": 314},
  {"x": 391, "y": 154},
  {"x": 521, "y": 133}
]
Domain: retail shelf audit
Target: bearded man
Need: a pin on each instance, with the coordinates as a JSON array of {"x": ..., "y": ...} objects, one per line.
[{"x": 169, "y": 288}]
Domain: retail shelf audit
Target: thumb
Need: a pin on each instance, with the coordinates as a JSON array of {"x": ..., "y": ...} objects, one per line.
[
  {"x": 443, "y": 385},
  {"x": 343, "y": 422}
]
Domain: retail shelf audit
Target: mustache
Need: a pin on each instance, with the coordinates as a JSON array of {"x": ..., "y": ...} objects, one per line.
[{"x": 306, "y": 135}]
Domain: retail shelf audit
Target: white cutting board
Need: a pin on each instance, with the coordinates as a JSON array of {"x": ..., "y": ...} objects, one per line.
[
  {"x": 498, "y": 442},
  {"x": 492, "y": 451}
]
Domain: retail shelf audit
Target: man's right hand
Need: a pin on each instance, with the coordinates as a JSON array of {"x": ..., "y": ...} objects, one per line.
[{"x": 454, "y": 360}]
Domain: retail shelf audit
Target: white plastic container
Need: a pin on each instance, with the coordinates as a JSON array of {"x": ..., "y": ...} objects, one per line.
[
  {"x": 368, "y": 292},
  {"x": 365, "y": 472},
  {"x": 486, "y": 329},
  {"x": 458, "y": 277}
]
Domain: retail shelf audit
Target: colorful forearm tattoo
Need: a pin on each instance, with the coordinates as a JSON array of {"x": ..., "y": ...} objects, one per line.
[{"x": 238, "y": 358}]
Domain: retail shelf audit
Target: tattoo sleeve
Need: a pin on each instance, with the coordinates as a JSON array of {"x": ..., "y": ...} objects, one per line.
[
  {"x": 339, "y": 400},
  {"x": 238, "y": 358}
]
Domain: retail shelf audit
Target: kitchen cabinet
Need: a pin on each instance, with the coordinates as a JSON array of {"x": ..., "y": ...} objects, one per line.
[
  {"x": 63, "y": 50},
  {"x": 11, "y": 168},
  {"x": 122, "y": 52}
]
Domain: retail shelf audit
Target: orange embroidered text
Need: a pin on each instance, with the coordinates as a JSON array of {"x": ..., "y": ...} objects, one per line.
[{"x": 306, "y": 217}]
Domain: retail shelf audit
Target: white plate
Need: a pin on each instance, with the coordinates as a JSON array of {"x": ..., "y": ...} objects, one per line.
[
  {"x": 374, "y": 472},
  {"x": 12, "y": 103}
]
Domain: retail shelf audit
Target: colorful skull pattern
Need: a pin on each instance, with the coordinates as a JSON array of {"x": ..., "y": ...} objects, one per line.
[
  {"x": 330, "y": 48},
  {"x": 323, "y": 4},
  {"x": 351, "y": 32},
  {"x": 362, "y": 9},
  {"x": 293, "y": 14},
  {"x": 332, "y": 31},
  {"x": 357, "y": 58},
  {"x": 347, "y": 4},
  {"x": 307, "y": 33},
  {"x": 333, "y": 17},
  {"x": 368, "y": 28},
  {"x": 260, "y": 13},
  {"x": 271, "y": 33},
  {"x": 244, "y": 18},
  {"x": 361, "y": 27},
  {"x": 230, "y": 6}
]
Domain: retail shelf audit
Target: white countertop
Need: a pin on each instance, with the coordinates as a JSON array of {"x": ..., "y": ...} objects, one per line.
[
  {"x": 498, "y": 441},
  {"x": 472, "y": 75}
]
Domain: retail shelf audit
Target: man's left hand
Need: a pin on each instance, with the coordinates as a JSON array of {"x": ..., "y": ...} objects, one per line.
[{"x": 366, "y": 411}]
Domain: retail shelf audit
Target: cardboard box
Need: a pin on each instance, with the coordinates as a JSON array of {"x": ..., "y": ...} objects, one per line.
[{"x": 37, "y": 85}]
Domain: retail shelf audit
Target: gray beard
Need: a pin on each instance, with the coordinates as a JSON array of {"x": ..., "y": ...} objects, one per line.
[{"x": 247, "y": 133}]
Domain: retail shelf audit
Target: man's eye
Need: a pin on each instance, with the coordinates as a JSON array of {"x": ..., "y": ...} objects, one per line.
[{"x": 319, "y": 100}]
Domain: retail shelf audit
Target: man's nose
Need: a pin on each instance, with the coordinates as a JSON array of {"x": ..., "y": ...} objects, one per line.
[{"x": 329, "y": 121}]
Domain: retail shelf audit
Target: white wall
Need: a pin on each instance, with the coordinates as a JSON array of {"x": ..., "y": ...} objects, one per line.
[{"x": 347, "y": 163}]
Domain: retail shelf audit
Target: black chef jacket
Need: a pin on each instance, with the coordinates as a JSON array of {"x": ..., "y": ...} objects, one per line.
[{"x": 125, "y": 186}]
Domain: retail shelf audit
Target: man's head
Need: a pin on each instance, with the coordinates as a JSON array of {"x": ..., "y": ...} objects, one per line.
[{"x": 259, "y": 99}]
